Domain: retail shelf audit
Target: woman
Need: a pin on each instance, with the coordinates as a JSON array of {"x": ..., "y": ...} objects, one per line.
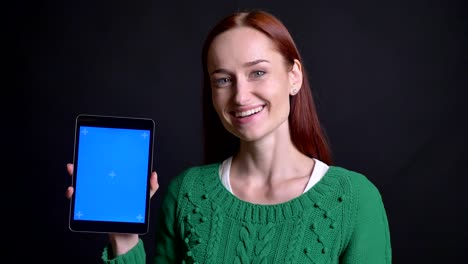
[{"x": 277, "y": 198}]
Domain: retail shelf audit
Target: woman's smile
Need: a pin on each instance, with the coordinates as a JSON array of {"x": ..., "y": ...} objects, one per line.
[
  {"x": 243, "y": 117},
  {"x": 249, "y": 112}
]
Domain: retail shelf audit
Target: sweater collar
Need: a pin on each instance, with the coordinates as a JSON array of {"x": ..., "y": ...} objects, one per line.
[{"x": 236, "y": 208}]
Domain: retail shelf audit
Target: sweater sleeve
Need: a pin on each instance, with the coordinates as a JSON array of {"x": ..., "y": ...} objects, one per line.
[
  {"x": 370, "y": 237},
  {"x": 167, "y": 245},
  {"x": 136, "y": 255}
]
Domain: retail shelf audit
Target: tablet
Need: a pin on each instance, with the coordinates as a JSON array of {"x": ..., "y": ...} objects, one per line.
[{"x": 112, "y": 166}]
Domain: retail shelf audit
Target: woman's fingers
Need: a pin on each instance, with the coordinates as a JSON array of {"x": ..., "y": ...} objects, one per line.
[
  {"x": 70, "y": 189},
  {"x": 70, "y": 168},
  {"x": 69, "y": 192},
  {"x": 154, "y": 183}
]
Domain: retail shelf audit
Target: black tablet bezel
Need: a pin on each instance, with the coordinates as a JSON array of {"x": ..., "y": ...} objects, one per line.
[{"x": 111, "y": 122}]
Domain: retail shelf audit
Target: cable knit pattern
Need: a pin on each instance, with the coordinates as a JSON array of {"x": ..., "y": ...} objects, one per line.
[
  {"x": 296, "y": 237},
  {"x": 263, "y": 246},
  {"x": 244, "y": 246},
  {"x": 341, "y": 219},
  {"x": 215, "y": 237}
]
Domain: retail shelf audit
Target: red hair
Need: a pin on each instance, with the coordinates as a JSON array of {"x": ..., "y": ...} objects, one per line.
[{"x": 306, "y": 133}]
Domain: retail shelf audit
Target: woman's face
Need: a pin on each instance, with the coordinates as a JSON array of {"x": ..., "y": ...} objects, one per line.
[{"x": 251, "y": 83}]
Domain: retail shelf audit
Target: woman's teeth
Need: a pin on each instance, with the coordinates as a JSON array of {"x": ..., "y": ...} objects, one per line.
[{"x": 249, "y": 112}]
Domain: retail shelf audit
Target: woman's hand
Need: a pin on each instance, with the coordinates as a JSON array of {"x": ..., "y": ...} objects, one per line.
[{"x": 121, "y": 243}]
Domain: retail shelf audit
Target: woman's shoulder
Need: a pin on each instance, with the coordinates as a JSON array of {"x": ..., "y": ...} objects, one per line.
[
  {"x": 363, "y": 197},
  {"x": 356, "y": 181},
  {"x": 198, "y": 170},
  {"x": 184, "y": 180},
  {"x": 190, "y": 174}
]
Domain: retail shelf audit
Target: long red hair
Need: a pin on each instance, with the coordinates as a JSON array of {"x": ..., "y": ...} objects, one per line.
[{"x": 306, "y": 133}]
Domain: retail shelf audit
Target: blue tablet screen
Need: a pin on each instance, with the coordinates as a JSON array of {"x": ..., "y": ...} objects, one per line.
[{"x": 112, "y": 174}]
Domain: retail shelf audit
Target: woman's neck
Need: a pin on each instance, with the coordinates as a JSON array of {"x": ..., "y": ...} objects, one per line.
[
  {"x": 271, "y": 175},
  {"x": 270, "y": 160}
]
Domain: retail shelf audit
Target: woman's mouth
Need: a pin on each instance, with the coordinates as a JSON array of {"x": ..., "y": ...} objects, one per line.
[{"x": 248, "y": 112}]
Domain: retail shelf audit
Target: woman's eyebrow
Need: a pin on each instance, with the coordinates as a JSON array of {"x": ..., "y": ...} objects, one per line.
[
  {"x": 252, "y": 63},
  {"x": 245, "y": 65},
  {"x": 220, "y": 70}
]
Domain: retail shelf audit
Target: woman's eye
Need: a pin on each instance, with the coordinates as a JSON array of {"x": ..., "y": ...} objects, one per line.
[
  {"x": 221, "y": 82},
  {"x": 257, "y": 74}
]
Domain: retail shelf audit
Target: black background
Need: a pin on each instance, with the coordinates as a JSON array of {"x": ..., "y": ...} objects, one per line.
[{"x": 389, "y": 79}]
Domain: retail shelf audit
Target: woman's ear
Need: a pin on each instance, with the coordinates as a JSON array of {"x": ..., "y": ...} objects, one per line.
[{"x": 295, "y": 77}]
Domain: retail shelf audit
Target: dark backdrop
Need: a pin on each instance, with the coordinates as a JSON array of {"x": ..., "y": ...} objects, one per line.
[{"x": 389, "y": 79}]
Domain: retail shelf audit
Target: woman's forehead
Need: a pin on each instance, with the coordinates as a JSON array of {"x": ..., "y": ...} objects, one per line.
[{"x": 241, "y": 45}]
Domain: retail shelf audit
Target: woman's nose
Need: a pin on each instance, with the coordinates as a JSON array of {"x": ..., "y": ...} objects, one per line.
[{"x": 242, "y": 92}]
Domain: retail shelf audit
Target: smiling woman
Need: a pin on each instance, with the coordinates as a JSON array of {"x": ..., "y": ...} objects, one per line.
[
  {"x": 252, "y": 99},
  {"x": 275, "y": 197},
  {"x": 306, "y": 132}
]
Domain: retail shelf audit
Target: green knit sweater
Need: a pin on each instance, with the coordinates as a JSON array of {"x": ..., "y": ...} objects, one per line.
[{"x": 339, "y": 220}]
